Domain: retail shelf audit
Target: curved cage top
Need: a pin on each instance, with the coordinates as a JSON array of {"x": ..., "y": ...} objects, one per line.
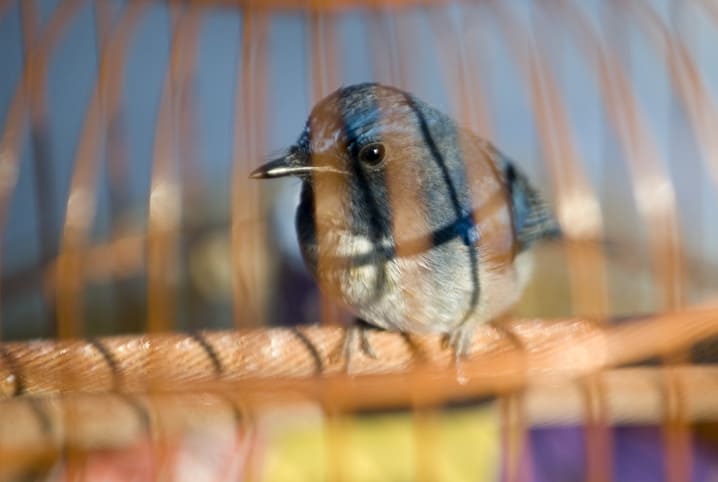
[{"x": 128, "y": 130}]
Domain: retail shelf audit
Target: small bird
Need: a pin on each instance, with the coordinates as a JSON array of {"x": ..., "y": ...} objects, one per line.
[{"x": 411, "y": 222}]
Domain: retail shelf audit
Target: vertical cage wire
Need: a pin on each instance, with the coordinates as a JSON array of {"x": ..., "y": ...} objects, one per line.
[{"x": 157, "y": 252}]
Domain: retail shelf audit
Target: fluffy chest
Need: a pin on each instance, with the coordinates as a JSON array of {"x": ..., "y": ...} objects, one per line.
[{"x": 432, "y": 291}]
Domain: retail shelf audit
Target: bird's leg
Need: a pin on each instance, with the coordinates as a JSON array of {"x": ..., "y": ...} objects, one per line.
[
  {"x": 364, "y": 343},
  {"x": 459, "y": 341},
  {"x": 461, "y": 337},
  {"x": 359, "y": 328},
  {"x": 417, "y": 352}
]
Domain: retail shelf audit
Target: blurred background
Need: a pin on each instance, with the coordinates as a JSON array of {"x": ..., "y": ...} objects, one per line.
[
  {"x": 128, "y": 130},
  {"x": 198, "y": 94}
]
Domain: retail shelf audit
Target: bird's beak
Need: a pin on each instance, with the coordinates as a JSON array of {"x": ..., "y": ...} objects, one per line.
[
  {"x": 291, "y": 164},
  {"x": 287, "y": 165}
]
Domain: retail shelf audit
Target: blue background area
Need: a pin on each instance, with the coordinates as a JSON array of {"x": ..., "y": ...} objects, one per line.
[{"x": 362, "y": 56}]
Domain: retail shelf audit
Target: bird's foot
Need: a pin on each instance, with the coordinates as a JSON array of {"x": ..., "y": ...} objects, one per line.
[
  {"x": 359, "y": 329},
  {"x": 459, "y": 341}
]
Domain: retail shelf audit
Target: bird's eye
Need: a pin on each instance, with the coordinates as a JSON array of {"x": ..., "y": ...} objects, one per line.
[{"x": 372, "y": 154}]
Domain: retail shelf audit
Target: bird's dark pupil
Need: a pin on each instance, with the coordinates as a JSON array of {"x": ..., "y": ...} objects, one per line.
[{"x": 373, "y": 154}]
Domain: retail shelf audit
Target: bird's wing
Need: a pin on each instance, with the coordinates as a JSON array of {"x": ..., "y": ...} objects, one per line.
[{"x": 532, "y": 218}]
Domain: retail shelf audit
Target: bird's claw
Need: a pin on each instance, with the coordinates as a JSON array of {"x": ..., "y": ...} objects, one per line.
[
  {"x": 347, "y": 348},
  {"x": 364, "y": 343},
  {"x": 459, "y": 341}
]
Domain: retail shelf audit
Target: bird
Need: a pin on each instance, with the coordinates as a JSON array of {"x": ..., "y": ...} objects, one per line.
[{"x": 408, "y": 220}]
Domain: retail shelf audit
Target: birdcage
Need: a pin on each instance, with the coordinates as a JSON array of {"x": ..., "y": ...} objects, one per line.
[{"x": 157, "y": 323}]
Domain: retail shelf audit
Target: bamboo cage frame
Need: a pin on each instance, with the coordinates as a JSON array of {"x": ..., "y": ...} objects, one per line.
[{"x": 550, "y": 368}]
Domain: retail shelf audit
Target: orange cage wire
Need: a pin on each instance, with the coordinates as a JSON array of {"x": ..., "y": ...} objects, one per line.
[{"x": 60, "y": 396}]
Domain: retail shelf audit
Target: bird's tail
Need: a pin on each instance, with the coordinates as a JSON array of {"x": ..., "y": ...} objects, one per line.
[{"x": 533, "y": 219}]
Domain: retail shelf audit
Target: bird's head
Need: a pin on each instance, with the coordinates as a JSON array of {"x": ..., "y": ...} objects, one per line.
[{"x": 373, "y": 154}]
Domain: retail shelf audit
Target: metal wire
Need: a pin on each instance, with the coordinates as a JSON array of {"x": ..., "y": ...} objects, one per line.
[{"x": 69, "y": 395}]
